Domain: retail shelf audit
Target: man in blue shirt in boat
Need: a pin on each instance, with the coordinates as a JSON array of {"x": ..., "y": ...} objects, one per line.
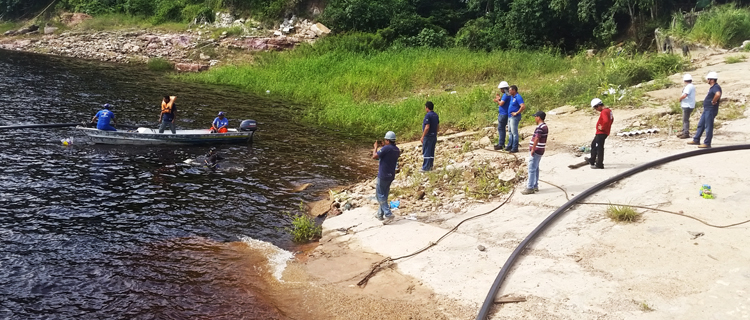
[
  {"x": 220, "y": 124},
  {"x": 104, "y": 117},
  {"x": 168, "y": 114}
]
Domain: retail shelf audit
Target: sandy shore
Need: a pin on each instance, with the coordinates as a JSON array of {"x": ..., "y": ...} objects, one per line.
[{"x": 585, "y": 266}]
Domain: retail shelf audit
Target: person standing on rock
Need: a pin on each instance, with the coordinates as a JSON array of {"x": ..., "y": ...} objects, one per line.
[
  {"x": 710, "y": 110},
  {"x": 603, "y": 126},
  {"x": 388, "y": 156},
  {"x": 502, "y": 113},
  {"x": 687, "y": 102},
  {"x": 536, "y": 147},
  {"x": 515, "y": 108},
  {"x": 429, "y": 136},
  {"x": 168, "y": 113}
]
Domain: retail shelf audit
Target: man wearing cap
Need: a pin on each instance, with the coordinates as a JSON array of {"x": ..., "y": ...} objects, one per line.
[
  {"x": 388, "y": 156},
  {"x": 502, "y": 113},
  {"x": 536, "y": 147},
  {"x": 168, "y": 114},
  {"x": 429, "y": 136},
  {"x": 710, "y": 110},
  {"x": 220, "y": 124},
  {"x": 603, "y": 126},
  {"x": 104, "y": 117},
  {"x": 687, "y": 102},
  {"x": 515, "y": 108}
]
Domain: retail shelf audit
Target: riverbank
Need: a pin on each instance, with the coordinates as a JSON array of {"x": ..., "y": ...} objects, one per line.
[{"x": 586, "y": 266}]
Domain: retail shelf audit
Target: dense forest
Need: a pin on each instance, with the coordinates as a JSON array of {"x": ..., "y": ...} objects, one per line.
[{"x": 475, "y": 24}]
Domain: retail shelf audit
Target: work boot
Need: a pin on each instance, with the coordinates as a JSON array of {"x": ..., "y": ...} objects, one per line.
[
  {"x": 498, "y": 147},
  {"x": 703, "y": 146},
  {"x": 693, "y": 143},
  {"x": 588, "y": 160},
  {"x": 595, "y": 167},
  {"x": 536, "y": 189},
  {"x": 528, "y": 191},
  {"x": 388, "y": 220}
]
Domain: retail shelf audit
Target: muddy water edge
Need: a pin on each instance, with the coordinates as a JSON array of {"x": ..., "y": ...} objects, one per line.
[{"x": 122, "y": 232}]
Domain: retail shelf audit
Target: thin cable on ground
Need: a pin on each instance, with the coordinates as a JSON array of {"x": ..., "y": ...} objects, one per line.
[{"x": 380, "y": 264}]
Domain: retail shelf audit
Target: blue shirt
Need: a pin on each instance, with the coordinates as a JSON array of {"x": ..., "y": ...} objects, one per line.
[
  {"x": 388, "y": 156},
  {"x": 710, "y": 97},
  {"x": 218, "y": 123},
  {"x": 503, "y": 110},
  {"x": 104, "y": 117},
  {"x": 433, "y": 120},
  {"x": 515, "y": 103}
]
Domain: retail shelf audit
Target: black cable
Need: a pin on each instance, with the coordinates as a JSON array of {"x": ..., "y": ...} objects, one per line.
[{"x": 490, "y": 299}]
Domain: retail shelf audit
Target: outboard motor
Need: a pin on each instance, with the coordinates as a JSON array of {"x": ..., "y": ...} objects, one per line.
[{"x": 248, "y": 125}]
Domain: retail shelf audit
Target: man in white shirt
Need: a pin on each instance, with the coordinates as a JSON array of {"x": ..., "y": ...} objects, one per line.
[{"x": 687, "y": 102}]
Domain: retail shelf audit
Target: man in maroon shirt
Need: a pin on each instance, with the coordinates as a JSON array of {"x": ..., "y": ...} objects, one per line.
[
  {"x": 602, "y": 132},
  {"x": 536, "y": 147}
]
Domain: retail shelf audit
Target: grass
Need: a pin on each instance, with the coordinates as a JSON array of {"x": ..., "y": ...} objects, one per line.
[
  {"x": 726, "y": 26},
  {"x": 303, "y": 229},
  {"x": 7, "y": 25},
  {"x": 735, "y": 59},
  {"x": 369, "y": 92},
  {"x": 159, "y": 64},
  {"x": 645, "y": 307},
  {"x": 122, "y": 21},
  {"x": 231, "y": 32},
  {"x": 622, "y": 213}
]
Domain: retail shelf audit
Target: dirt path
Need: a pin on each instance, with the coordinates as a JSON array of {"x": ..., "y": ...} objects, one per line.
[{"x": 586, "y": 266}]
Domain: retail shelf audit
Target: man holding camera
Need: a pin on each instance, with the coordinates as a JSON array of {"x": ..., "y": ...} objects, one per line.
[{"x": 388, "y": 156}]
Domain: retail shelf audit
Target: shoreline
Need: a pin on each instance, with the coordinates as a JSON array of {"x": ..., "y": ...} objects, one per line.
[{"x": 585, "y": 266}]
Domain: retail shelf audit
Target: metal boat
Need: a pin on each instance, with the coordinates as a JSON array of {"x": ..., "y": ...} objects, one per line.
[{"x": 149, "y": 136}]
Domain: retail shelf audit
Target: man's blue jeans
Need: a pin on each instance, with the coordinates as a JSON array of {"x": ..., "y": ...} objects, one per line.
[
  {"x": 428, "y": 152},
  {"x": 513, "y": 132},
  {"x": 502, "y": 122},
  {"x": 706, "y": 123},
  {"x": 534, "y": 171},
  {"x": 382, "y": 188}
]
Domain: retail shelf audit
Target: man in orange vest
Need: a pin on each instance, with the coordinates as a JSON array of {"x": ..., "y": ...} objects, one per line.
[{"x": 167, "y": 115}]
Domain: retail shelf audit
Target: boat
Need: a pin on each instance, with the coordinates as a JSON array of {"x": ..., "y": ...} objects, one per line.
[{"x": 149, "y": 136}]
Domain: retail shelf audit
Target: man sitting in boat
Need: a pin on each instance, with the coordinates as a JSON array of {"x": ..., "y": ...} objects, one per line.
[
  {"x": 104, "y": 117},
  {"x": 220, "y": 124},
  {"x": 167, "y": 115},
  {"x": 212, "y": 158}
]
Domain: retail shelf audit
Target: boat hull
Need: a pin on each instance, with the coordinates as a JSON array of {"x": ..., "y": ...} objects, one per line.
[{"x": 148, "y": 136}]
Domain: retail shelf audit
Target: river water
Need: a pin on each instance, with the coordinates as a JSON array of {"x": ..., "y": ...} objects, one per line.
[{"x": 122, "y": 232}]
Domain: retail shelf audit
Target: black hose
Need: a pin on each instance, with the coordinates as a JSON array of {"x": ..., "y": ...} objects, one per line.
[
  {"x": 48, "y": 125},
  {"x": 489, "y": 301}
]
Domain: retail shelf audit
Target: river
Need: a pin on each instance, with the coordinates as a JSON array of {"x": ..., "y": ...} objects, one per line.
[{"x": 122, "y": 232}]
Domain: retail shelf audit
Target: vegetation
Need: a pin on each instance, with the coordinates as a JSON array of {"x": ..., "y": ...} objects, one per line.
[
  {"x": 622, "y": 213},
  {"x": 352, "y": 86},
  {"x": 303, "y": 228},
  {"x": 735, "y": 59},
  {"x": 725, "y": 26},
  {"x": 159, "y": 64}
]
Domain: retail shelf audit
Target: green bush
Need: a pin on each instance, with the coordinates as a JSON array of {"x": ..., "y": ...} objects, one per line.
[
  {"x": 725, "y": 26},
  {"x": 303, "y": 228},
  {"x": 159, "y": 64},
  {"x": 622, "y": 213}
]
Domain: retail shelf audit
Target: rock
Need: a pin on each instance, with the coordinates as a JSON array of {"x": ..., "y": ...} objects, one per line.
[
  {"x": 320, "y": 29},
  {"x": 562, "y": 110},
  {"x": 28, "y": 29},
  {"x": 420, "y": 195},
  {"x": 50, "y": 30},
  {"x": 9, "y": 33},
  {"x": 485, "y": 141},
  {"x": 190, "y": 67},
  {"x": 507, "y": 175},
  {"x": 590, "y": 53},
  {"x": 204, "y": 57},
  {"x": 468, "y": 175},
  {"x": 745, "y": 43},
  {"x": 481, "y": 248},
  {"x": 319, "y": 208}
]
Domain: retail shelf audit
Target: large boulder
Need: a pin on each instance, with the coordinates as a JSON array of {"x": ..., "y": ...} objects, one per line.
[{"x": 190, "y": 67}]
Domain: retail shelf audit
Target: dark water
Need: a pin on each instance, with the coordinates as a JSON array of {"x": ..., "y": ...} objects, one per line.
[{"x": 123, "y": 232}]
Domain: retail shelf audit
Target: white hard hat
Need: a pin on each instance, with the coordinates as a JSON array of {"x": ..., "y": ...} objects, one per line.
[
  {"x": 503, "y": 84},
  {"x": 712, "y": 75},
  {"x": 595, "y": 102},
  {"x": 390, "y": 135},
  {"x": 687, "y": 77}
]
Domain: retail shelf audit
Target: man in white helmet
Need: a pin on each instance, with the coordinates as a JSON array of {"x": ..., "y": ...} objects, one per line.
[
  {"x": 687, "y": 102},
  {"x": 388, "y": 156},
  {"x": 603, "y": 126},
  {"x": 502, "y": 113},
  {"x": 710, "y": 110}
]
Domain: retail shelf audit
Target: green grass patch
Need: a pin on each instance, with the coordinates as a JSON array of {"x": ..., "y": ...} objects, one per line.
[
  {"x": 159, "y": 64},
  {"x": 726, "y": 26},
  {"x": 231, "y": 32},
  {"x": 735, "y": 59},
  {"x": 107, "y": 22},
  {"x": 7, "y": 25},
  {"x": 622, "y": 213},
  {"x": 303, "y": 229},
  {"x": 645, "y": 307},
  {"x": 351, "y": 87}
]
